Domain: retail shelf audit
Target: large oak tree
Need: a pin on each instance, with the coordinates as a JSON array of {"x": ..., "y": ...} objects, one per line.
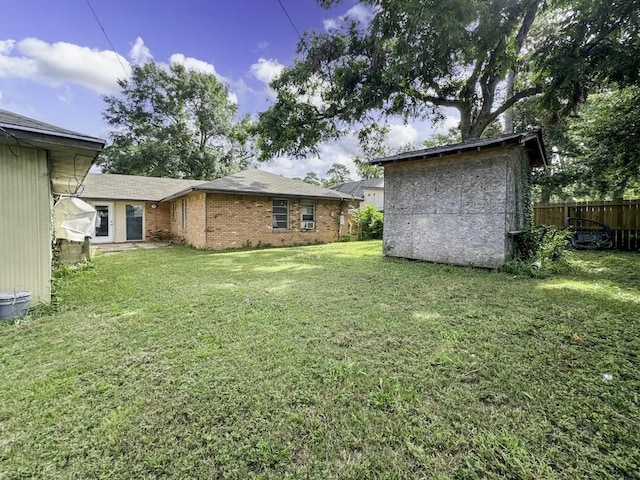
[
  {"x": 480, "y": 57},
  {"x": 174, "y": 122}
]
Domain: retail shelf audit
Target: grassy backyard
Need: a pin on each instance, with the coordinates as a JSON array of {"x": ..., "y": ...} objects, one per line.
[{"x": 327, "y": 361}]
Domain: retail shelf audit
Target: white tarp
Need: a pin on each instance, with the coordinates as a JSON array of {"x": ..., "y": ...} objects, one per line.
[{"x": 74, "y": 219}]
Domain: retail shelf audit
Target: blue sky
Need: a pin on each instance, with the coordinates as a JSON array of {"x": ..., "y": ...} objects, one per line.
[{"x": 55, "y": 62}]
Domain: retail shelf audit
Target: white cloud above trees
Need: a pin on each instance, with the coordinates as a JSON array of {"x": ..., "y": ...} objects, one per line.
[
  {"x": 140, "y": 53},
  {"x": 56, "y": 64},
  {"x": 358, "y": 13}
]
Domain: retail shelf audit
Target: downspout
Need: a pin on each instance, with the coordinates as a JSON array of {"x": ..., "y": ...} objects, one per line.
[
  {"x": 341, "y": 215},
  {"x": 206, "y": 221}
]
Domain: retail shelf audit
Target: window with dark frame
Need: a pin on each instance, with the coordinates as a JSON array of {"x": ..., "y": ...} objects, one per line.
[{"x": 280, "y": 214}]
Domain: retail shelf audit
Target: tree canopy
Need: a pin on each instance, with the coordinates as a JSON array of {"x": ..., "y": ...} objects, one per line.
[
  {"x": 174, "y": 122},
  {"x": 338, "y": 173},
  {"x": 417, "y": 56},
  {"x": 605, "y": 139}
]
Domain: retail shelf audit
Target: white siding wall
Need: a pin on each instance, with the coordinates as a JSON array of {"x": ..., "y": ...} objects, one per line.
[
  {"x": 373, "y": 196},
  {"x": 25, "y": 222}
]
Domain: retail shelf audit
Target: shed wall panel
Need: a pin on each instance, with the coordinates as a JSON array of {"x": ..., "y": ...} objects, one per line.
[
  {"x": 25, "y": 222},
  {"x": 455, "y": 209}
]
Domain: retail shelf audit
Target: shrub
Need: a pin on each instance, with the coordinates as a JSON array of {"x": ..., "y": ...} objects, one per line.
[
  {"x": 539, "y": 249},
  {"x": 370, "y": 222}
]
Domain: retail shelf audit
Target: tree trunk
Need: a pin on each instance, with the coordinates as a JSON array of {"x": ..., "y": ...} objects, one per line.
[{"x": 508, "y": 115}]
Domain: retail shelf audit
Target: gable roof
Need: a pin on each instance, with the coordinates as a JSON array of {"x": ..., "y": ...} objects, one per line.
[
  {"x": 258, "y": 182},
  {"x": 531, "y": 140},
  {"x": 71, "y": 153},
  {"x": 108, "y": 186},
  {"x": 356, "y": 189}
]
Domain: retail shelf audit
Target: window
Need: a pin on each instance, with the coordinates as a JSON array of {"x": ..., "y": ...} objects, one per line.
[
  {"x": 307, "y": 214},
  {"x": 175, "y": 211},
  {"x": 280, "y": 214},
  {"x": 134, "y": 222},
  {"x": 184, "y": 214}
]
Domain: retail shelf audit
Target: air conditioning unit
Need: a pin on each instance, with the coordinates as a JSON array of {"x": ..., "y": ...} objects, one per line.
[{"x": 308, "y": 225}]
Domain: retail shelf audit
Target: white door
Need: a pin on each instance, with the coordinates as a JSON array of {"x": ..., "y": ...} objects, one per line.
[{"x": 104, "y": 223}]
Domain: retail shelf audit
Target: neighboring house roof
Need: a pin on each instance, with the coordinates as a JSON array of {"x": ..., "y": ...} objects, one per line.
[
  {"x": 108, "y": 186},
  {"x": 356, "y": 189},
  {"x": 71, "y": 153},
  {"x": 258, "y": 182},
  {"x": 531, "y": 140}
]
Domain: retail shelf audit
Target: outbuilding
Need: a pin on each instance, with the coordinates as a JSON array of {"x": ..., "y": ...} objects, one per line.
[
  {"x": 37, "y": 162},
  {"x": 460, "y": 204}
]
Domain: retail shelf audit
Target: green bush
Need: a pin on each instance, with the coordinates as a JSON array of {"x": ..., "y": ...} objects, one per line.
[
  {"x": 370, "y": 222},
  {"x": 539, "y": 249}
]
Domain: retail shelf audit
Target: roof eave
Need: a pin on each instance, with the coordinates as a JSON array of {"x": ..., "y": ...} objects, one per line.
[{"x": 457, "y": 149}]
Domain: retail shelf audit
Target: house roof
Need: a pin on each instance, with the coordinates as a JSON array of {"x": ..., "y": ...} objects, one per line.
[
  {"x": 71, "y": 153},
  {"x": 531, "y": 140},
  {"x": 258, "y": 182},
  {"x": 356, "y": 189},
  {"x": 107, "y": 186}
]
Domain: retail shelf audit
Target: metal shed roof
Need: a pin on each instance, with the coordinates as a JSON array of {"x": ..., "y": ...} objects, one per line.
[{"x": 531, "y": 140}]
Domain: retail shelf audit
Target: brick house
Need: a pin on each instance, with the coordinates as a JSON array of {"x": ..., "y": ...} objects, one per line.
[
  {"x": 461, "y": 203},
  {"x": 130, "y": 207},
  {"x": 248, "y": 208}
]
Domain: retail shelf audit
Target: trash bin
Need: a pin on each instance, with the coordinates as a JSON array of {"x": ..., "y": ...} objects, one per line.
[{"x": 14, "y": 304}]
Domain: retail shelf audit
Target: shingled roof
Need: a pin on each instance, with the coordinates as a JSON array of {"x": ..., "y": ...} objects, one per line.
[
  {"x": 107, "y": 186},
  {"x": 531, "y": 140},
  {"x": 70, "y": 153},
  {"x": 258, "y": 182},
  {"x": 356, "y": 189},
  {"x": 13, "y": 121}
]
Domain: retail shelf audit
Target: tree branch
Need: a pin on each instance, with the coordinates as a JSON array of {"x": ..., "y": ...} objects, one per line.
[{"x": 522, "y": 94}]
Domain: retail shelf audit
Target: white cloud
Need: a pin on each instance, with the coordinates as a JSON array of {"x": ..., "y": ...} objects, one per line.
[
  {"x": 401, "y": 135},
  {"x": 6, "y": 46},
  {"x": 59, "y": 63},
  {"x": 65, "y": 95},
  {"x": 193, "y": 64},
  {"x": 140, "y": 53},
  {"x": 331, "y": 24},
  {"x": 263, "y": 45},
  {"x": 358, "y": 13},
  {"x": 266, "y": 70}
]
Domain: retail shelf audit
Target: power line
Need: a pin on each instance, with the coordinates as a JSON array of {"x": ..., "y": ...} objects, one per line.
[
  {"x": 290, "y": 20},
  {"x": 126, "y": 74}
]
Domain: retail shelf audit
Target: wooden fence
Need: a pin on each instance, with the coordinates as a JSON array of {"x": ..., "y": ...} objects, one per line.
[{"x": 622, "y": 216}]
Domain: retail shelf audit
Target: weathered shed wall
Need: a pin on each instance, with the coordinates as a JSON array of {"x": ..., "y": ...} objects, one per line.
[
  {"x": 25, "y": 222},
  {"x": 457, "y": 208}
]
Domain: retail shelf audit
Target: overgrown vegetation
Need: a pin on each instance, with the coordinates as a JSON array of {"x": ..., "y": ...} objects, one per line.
[
  {"x": 539, "y": 251},
  {"x": 285, "y": 363},
  {"x": 370, "y": 223}
]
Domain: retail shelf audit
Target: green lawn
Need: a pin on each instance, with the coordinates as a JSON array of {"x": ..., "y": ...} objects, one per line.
[{"x": 327, "y": 361}]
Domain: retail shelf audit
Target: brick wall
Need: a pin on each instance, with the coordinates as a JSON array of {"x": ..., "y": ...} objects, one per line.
[
  {"x": 194, "y": 232},
  {"x": 235, "y": 221},
  {"x": 157, "y": 221}
]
